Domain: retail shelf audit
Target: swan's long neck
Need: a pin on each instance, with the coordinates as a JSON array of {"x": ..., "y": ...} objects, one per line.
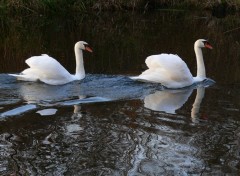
[
  {"x": 201, "y": 73},
  {"x": 80, "y": 72}
]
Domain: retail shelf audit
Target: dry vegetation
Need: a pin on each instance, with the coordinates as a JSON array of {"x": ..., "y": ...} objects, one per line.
[{"x": 61, "y": 6}]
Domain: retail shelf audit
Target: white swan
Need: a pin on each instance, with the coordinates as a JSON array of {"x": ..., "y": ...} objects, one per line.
[
  {"x": 48, "y": 70},
  {"x": 171, "y": 71}
]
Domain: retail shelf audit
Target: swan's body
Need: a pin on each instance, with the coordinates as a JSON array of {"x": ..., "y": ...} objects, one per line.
[
  {"x": 48, "y": 70},
  {"x": 171, "y": 71}
]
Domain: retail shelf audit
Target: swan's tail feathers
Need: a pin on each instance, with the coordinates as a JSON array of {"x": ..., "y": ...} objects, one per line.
[
  {"x": 133, "y": 77},
  {"x": 23, "y": 77},
  {"x": 15, "y": 75},
  {"x": 137, "y": 78}
]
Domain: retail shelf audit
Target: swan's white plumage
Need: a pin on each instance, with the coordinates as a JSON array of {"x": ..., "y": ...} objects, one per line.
[
  {"x": 48, "y": 70},
  {"x": 159, "y": 71},
  {"x": 171, "y": 71}
]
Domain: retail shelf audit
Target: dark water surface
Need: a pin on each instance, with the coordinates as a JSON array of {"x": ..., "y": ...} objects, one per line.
[{"x": 108, "y": 124}]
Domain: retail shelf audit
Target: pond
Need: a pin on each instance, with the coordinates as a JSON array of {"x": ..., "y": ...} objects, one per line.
[{"x": 108, "y": 124}]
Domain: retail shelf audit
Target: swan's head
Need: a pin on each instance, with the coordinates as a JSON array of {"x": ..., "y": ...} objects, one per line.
[
  {"x": 202, "y": 43},
  {"x": 83, "y": 46}
]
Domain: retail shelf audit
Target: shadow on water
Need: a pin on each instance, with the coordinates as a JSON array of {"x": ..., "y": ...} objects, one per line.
[{"x": 108, "y": 124}]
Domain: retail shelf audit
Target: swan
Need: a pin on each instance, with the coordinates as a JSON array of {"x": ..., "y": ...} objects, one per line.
[
  {"x": 171, "y": 71},
  {"x": 48, "y": 70}
]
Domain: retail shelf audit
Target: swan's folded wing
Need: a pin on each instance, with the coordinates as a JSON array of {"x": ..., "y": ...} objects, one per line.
[
  {"x": 44, "y": 62},
  {"x": 168, "y": 61},
  {"x": 169, "y": 64},
  {"x": 47, "y": 65},
  {"x": 168, "y": 69}
]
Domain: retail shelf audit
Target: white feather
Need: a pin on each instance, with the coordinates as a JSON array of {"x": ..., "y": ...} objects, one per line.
[
  {"x": 48, "y": 70},
  {"x": 171, "y": 71}
]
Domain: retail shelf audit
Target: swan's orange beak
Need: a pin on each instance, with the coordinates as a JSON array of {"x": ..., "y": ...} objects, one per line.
[
  {"x": 207, "y": 45},
  {"x": 87, "y": 48}
]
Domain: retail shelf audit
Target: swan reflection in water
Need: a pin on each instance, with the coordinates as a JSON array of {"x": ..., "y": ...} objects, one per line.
[
  {"x": 171, "y": 100},
  {"x": 41, "y": 97}
]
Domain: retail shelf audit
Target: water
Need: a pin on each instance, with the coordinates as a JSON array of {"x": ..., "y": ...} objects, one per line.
[{"x": 108, "y": 124}]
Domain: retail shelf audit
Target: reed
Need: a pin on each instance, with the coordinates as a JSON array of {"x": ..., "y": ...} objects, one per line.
[
  {"x": 66, "y": 6},
  {"x": 42, "y": 6}
]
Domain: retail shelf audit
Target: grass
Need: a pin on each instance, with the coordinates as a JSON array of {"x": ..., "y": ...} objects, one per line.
[
  {"x": 42, "y": 6},
  {"x": 66, "y": 6}
]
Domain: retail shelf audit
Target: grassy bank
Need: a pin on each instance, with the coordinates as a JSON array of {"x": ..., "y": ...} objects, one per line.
[{"x": 61, "y": 6}]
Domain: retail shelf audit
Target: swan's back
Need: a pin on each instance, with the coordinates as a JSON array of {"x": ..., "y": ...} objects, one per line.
[
  {"x": 169, "y": 61},
  {"x": 46, "y": 64},
  {"x": 45, "y": 69},
  {"x": 168, "y": 69}
]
